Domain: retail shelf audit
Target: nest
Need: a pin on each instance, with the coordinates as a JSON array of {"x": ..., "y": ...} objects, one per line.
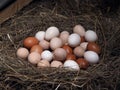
[{"x": 18, "y": 74}]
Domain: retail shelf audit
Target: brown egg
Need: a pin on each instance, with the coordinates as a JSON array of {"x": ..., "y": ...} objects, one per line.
[
  {"x": 93, "y": 47},
  {"x": 79, "y": 51},
  {"x": 36, "y": 48},
  {"x": 68, "y": 49},
  {"x": 82, "y": 39},
  {"x": 71, "y": 57},
  {"x": 30, "y": 41},
  {"x": 82, "y": 63}
]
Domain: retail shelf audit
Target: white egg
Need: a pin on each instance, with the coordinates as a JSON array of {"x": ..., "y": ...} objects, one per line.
[
  {"x": 47, "y": 55},
  {"x": 40, "y": 35},
  {"x": 71, "y": 64},
  {"x": 74, "y": 40},
  {"x": 79, "y": 30},
  {"x": 91, "y": 56},
  {"x": 84, "y": 45},
  {"x": 51, "y": 32},
  {"x": 90, "y": 36}
]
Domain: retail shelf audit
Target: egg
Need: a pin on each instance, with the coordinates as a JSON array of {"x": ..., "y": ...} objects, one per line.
[
  {"x": 44, "y": 44},
  {"x": 71, "y": 64},
  {"x": 68, "y": 49},
  {"x": 84, "y": 45},
  {"x": 74, "y": 40},
  {"x": 90, "y": 36},
  {"x": 56, "y": 64},
  {"x": 51, "y": 32},
  {"x": 60, "y": 54},
  {"x": 82, "y": 63},
  {"x": 91, "y": 57},
  {"x": 34, "y": 57},
  {"x": 40, "y": 35},
  {"x": 79, "y": 51},
  {"x": 92, "y": 46},
  {"x": 22, "y": 52},
  {"x": 82, "y": 39},
  {"x": 43, "y": 63},
  {"x": 79, "y": 30},
  {"x": 36, "y": 48},
  {"x": 30, "y": 41},
  {"x": 71, "y": 57},
  {"x": 47, "y": 55},
  {"x": 55, "y": 43},
  {"x": 64, "y": 36}
]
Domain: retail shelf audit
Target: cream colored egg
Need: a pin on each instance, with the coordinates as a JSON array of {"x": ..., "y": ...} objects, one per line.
[
  {"x": 43, "y": 63},
  {"x": 84, "y": 45},
  {"x": 64, "y": 36},
  {"x": 56, "y": 64},
  {"x": 79, "y": 51},
  {"x": 44, "y": 44}
]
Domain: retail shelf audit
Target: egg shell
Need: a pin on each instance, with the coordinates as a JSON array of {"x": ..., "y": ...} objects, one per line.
[
  {"x": 92, "y": 46},
  {"x": 22, "y": 52},
  {"x": 79, "y": 51},
  {"x": 51, "y": 32},
  {"x": 47, "y": 55},
  {"x": 91, "y": 36},
  {"x": 82, "y": 39},
  {"x": 56, "y": 64},
  {"x": 82, "y": 63},
  {"x": 68, "y": 49},
  {"x": 91, "y": 56},
  {"x": 43, "y": 63},
  {"x": 60, "y": 54},
  {"x": 36, "y": 48},
  {"x": 34, "y": 57},
  {"x": 84, "y": 45},
  {"x": 79, "y": 30},
  {"x": 71, "y": 57},
  {"x": 44, "y": 44},
  {"x": 71, "y": 64},
  {"x": 40, "y": 35},
  {"x": 30, "y": 41},
  {"x": 74, "y": 40},
  {"x": 64, "y": 36},
  {"x": 55, "y": 43}
]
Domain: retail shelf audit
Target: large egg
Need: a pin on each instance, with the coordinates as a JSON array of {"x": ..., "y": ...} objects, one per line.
[
  {"x": 30, "y": 41},
  {"x": 79, "y": 51},
  {"x": 51, "y": 32},
  {"x": 36, "y": 48},
  {"x": 79, "y": 30},
  {"x": 91, "y": 57},
  {"x": 64, "y": 36},
  {"x": 40, "y": 35},
  {"x": 74, "y": 40}
]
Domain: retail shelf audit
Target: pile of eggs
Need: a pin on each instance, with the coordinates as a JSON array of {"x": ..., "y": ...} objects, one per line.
[{"x": 52, "y": 48}]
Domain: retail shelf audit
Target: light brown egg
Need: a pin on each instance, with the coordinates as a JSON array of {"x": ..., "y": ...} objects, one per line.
[
  {"x": 68, "y": 49},
  {"x": 93, "y": 47},
  {"x": 56, "y": 64},
  {"x": 79, "y": 51},
  {"x": 71, "y": 57},
  {"x": 44, "y": 44},
  {"x": 64, "y": 36},
  {"x": 36, "y": 48},
  {"x": 30, "y": 41},
  {"x": 43, "y": 63}
]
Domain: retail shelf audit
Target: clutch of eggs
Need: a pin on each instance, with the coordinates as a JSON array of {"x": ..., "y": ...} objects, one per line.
[{"x": 52, "y": 48}]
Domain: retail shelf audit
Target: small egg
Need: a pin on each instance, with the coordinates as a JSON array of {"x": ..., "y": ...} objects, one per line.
[
  {"x": 82, "y": 63},
  {"x": 60, "y": 54},
  {"x": 71, "y": 57},
  {"x": 51, "y": 32},
  {"x": 64, "y": 36},
  {"x": 55, "y": 43},
  {"x": 40, "y": 35},
  {"x": 90, "y": 36},
  {"x": 44, "y": 44},
  {"x": 56, "y": 64},
  {"x": 43, "y": 63},
  {"x": 71, "y": 64},
  {"x": 22, "y": 52},
  {"x": 93, "y": 47},
  {"x": 68, "y": 49},
  {"x": 47, "y": 55},
  {"x": 36, "y": 48},
  {"x": 34, "y": 57},
  {"x": 74, "y": 40},
  {"x": 30, "y": 41},
  {"x": 91, "y": 56},
  {"x": 84, "y": 45},
  {"x": 79, "y": 30},
  {"x": 79, "y": 51}
]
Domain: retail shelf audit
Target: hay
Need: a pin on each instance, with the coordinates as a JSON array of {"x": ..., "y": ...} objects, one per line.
[{"x": 18, "y": 74}]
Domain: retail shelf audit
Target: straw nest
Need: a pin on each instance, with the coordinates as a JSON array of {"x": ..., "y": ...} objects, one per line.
[{"x": 18, "y": 74}]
